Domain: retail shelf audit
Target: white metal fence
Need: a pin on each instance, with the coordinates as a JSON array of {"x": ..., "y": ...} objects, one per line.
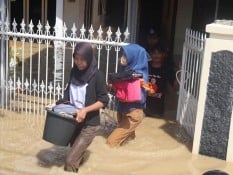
[
  {"x": 37, "y": 61},
  {"x": 192, "y": 57}
]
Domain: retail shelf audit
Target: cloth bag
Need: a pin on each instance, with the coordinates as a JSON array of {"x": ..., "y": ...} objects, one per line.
[{"x": 65, "y": 109}]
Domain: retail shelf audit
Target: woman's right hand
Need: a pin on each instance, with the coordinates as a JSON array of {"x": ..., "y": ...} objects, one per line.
[
  {"x": 81, "y": 115},
  {"x": 109, "y": 87}
]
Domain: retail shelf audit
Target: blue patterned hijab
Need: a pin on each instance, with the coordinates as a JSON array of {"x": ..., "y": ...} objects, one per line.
[{"x": 137, "y": 60}]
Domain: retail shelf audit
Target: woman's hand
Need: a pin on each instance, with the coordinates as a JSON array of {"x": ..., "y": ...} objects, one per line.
[
  {"x": 81, "y": 115},
  {"x": 109, "y": 87},
  {"x": 50, "y": 106}
]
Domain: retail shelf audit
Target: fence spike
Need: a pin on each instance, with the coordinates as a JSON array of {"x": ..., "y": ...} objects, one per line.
[
  {"x": 7, "y": 26},
  {"x": 42, "y": 85},
  {"x": 39, "y": 28},
  {"x": 18, "y": 83},
  {"x": 109, "y": 34},
  {"x": 91, "y": 33},
  {"x": 26, "y": 84},
  {"x": 74, "y": 30},
  {"x": 14, "y": 24},
  {"x": 47, "y": 28},
  {"x": 50, "y": 87},
  {"x": 118, "y": 35},
  {"x": 82, "y": 34},
  {"x": 64, "y": 30},
  {"x": 23, "y": 26},
  {"x": 34, "y": 85},
  {"x": 126, "y": 33},
  {"x": 31, "y": 27},
  {"x": 100, "y": 33}
]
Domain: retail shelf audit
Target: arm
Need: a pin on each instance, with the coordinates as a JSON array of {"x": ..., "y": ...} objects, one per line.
[{"x": 81, "y": 114}]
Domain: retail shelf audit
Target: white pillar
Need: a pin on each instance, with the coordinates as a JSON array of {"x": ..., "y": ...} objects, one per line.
[
  {"x": 59, "y": 17},
  {"x": 58, "y": 45},
  {"x": 220, "y": 41},
  {"x": 3, "y": 18},
  {"x": 132, "y": 20}
]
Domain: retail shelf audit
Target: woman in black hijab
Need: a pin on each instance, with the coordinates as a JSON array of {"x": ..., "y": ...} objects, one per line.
[{"x": 87, "y": 92}]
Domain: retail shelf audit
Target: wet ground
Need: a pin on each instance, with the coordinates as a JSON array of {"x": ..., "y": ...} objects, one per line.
[{"x": 161, "y": 147}]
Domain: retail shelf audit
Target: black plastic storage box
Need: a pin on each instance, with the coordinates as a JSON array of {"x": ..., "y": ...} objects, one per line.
[{"x": 59, "y": 128}]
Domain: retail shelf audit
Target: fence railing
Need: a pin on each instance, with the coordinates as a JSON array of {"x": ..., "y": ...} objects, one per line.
[
  {"x": 192, "y": 57},
  {"x": 37, "y": 61}
]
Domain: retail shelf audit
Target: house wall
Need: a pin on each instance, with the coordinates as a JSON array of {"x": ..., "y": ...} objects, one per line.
[
  {"x": 74, "y": 13},
  {"x": 97, "y": 19},
  {"x": 183, "y": 21}
]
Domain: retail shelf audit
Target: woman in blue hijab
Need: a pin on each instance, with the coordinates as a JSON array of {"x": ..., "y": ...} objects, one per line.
[{"x": 130, "y": 114}]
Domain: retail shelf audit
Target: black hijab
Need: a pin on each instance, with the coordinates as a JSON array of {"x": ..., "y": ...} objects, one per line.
[{"x": 81, "y": 77}]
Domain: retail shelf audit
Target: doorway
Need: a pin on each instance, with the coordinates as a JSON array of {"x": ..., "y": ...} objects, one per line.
[
  {"x": 150, "y": 14},
  {"x": 160, "y": 14}
]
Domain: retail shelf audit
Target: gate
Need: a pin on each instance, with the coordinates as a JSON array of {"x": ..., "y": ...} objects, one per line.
[
  {"x": 31, "y": 76},
  {"x": 192, "y": 57}
]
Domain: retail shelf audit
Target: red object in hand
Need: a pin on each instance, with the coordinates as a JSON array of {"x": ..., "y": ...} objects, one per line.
[{"x": 151, "y": 88}]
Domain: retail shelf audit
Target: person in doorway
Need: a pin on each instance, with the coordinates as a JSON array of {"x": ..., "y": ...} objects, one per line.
[
  {"x": 161, "y": 72},
  {"x": 152, "y": 38},
  {"x": 87, "y": 91},
  {"x": 130, "y": 114}
]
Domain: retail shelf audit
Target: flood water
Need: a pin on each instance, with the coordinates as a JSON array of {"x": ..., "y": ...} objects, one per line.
[{"x": 161, "y": 147}]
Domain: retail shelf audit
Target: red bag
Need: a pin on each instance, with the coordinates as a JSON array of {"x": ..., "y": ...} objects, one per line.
[{"x": 128, "y": 91}]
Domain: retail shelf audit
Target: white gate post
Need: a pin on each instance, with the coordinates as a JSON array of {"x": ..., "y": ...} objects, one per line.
[
  {"x": 58, "y": 45},
  {"x": 3, "y": 7},
  {"x": 132, "y": 20},
  {"x": 214, "y": 120}
]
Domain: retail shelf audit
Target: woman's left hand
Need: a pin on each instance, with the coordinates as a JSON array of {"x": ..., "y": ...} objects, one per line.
[{"x": 81, "y": 115}]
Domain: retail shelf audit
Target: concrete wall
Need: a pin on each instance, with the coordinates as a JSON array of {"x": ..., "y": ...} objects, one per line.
[
  {"x": 183, "y": 21},
  {"x": 74, "y": 13},
  {"x": 97, "y": 19}
]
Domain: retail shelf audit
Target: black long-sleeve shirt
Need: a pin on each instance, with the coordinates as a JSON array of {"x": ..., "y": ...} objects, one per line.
[{"x": 95, "y": 91}]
